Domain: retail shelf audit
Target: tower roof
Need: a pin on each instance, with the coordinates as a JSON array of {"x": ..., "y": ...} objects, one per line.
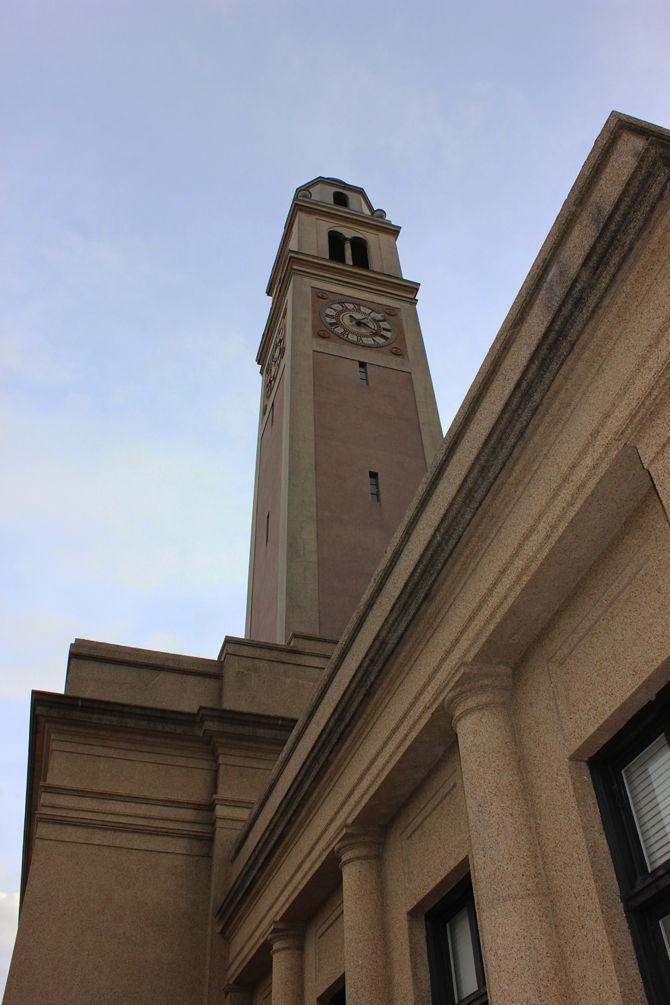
[{"x": 328, "y": 180}]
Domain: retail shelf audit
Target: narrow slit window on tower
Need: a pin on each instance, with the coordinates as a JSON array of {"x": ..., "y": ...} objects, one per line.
[
  {"x": 359, "y": 253},
  {"x": 340, "y": 199},
  {"x": 335, "y": 246},
  {"x": 272, "y": 414},
  {"x": 374, "y": 486},
  {"x": 267, "y": 527},
  {"x": 363, "y": 373}
]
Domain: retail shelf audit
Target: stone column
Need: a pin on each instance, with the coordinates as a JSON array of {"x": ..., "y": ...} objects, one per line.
[
  {"x": 347, "y": 252},
  {"x": 287, "y": 943},
  {"x": 513, "y": 911},
  {"x": 366, "y": 973}
]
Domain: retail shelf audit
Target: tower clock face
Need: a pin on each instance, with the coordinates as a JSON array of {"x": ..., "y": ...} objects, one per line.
[{"x": 357, "y": 323}]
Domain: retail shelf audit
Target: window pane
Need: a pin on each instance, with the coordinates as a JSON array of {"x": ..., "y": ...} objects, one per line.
[
  {"x": 647, "y": 781},
  {"x": 462, "y": 955},
  {"x": 665, "y": 928}
]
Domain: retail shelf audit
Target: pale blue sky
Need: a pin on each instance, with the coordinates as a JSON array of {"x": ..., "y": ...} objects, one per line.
[{"x": 149, "y": 153}]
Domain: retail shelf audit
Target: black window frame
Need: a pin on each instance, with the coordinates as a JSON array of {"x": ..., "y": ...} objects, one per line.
[
  {"x": 375, "y": 492},
  {"x": 645, "y": 895},
  {"x": 439, "y": 962},
  {"x": 363, "y": 376}
]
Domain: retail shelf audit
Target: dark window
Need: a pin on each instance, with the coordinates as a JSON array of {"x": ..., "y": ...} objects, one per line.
[
  {"x": 340, "y": 199},
  {"x": 335, "y": 246},
  {"x": 374, "y": 486},
  {"x": 359, "y": 253},
  {"x": 631, "y": 775},
  {"x": 454, "y": 953},
  {"x": 267, "y": 527},
  {"x": 363, "y": 373},
  {"x": 339, "y": 998}
]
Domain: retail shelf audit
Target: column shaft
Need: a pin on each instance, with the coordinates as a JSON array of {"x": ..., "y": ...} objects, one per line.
[
  {"x": 513, "y": 909},
  {"x": 366, "y": 972},
  {"x": 287, "y": 942}
]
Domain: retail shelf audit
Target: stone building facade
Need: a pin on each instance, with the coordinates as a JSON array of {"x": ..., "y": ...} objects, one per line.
[{"x": 437, "y": 770}]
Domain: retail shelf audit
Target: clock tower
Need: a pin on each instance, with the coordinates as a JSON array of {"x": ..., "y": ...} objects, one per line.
[{"x": 348, "y": 422}]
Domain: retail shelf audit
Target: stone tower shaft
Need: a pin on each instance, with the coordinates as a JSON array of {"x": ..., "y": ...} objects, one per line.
[{"x": 348, "y": 422}]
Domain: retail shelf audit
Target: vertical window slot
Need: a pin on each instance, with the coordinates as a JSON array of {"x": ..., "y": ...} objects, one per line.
[
  {"x": 363, "y": 373},
  {"x": 374, "y": 486}
]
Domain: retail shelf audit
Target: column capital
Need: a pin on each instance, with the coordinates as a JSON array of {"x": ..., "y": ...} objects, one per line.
[
  {"x": 237, "y": 994},
  {"x": 358, "y": 842},
  {"x": 478, "y": 686},
  {"x": 284, "y": 936}
]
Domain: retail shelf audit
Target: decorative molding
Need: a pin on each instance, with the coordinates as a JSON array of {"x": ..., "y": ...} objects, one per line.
[
  {"x": 595, "y": 612},
  {"x": 431, "y": 804},
  {"x": 126, "y": 827},
  {"x": 425, "y": 821},
  {"x": 329, "y": 947},
  {"x": 573, "y": 307}
]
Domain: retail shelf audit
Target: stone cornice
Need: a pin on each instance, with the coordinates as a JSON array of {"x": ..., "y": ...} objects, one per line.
[
  {"x": 206, "y": 726},
  {"x": 325, "y": 271},
  {"x": 105, "y": 652},
  {"x": 222, "y": 726},
  {"x": 337, "y": 215},
  {"x": 335, "y": 181},
  {"x": 208, "y": 723},
  {"x": 95, "y": 711},
  {"x": 613, "y": 235},
  {"x": 278, "y": 652}
]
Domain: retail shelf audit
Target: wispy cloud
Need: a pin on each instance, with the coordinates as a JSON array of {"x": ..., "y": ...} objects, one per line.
[{"x": 30, "y": 355}]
